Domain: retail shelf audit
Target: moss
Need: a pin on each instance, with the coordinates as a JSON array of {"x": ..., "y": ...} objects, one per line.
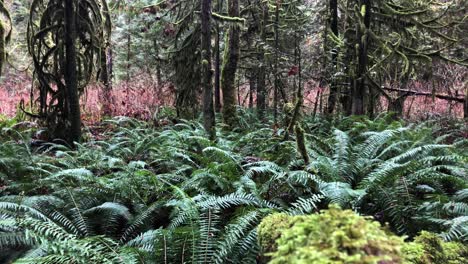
[
  {"x": 429, "y": 248},
  {"x": 414, "y": 253},
  {"x": 288, "y": 110},
  {"x": 270, "y": 230},
  {"x": 334, "y": 236},
  {"x": 301, "y": 146},
  {"x": 341, "y": 236}
]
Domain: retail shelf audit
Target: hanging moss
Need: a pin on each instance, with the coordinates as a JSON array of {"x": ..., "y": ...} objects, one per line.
[
  {"x": 52, "y": 51},
  {"x": 5, "y": 34}
]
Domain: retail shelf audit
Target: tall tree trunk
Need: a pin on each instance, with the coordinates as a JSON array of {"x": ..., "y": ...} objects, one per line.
[
  {"x": 334, "y": 28},
  {"x": 106, "y": 80},
  {"x": 397, "y": 105},
  {"x": 252, "y": 86},
  {"x": 299, "y": 95},
  {"x": 208, "y": 107},
  {"x": 228, "y": 74},
  {"x": 217, "y": 88},
  {"x": 359, "y": 83},
  {"x": 261, "y": 71},
  {"x": 465, "y": 104},
  {"x": 2, "y": 46},
  {"x": 373, "y": 101},
  {"x": 349, "y": 56},
  {"x": 128, "y": 66},
  {"x": 277, "y": 80},
  {"x": 71, "y": 81}
]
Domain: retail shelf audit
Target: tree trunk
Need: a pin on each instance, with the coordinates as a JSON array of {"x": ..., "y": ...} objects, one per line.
[
  {"x": 334, "y": 28},
  {"x": 261, "y": 72},
  {"x": 252, "y": 87},
  {"x": 208, "y": 107},
  {"x": 228, "y": 74},
  {"x": 71, "y": 81},
  {"x": 277, "y": 80},
  {"x": 373, "y": 101},
  {"x": 465, "y": 104},
  {"x": 299, "y": 95},
  {"x": 359, "y": 83},
  {"x": 218, "y": 62},
  {"x": 396, "y": 106},
  {"x": 106, "y": 80},
  {"x": 2, "y": 46},
  {"x": 128, "y": 66}
]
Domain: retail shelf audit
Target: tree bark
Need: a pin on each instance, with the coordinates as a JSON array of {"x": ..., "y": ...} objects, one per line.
[
  {"x": 106, "y": 80},
  {"x": 208, "y": 107},
  {"x": 228, "y": 74},
  {"x": 277, "y": 80},
  {"x": 359, "y": 91},
  {"x": 217, "y": 88},
  {"x": 252, "y": 87},
  {"x": 465, "y": 104},
  {"x": 334, "y": 28},
  {"x": 261, "y": 71},
  {"x": 71, "y": 81},
  {"x": 2, "y": 46}
]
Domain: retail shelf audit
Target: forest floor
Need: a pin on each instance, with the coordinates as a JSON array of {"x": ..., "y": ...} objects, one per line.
[{"x": 142, "y": 180}]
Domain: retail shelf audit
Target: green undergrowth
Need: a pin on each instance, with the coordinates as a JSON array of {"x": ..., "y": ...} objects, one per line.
[
  {"x": 139, "y": 192},
  {"x": 341, "y": 236}
]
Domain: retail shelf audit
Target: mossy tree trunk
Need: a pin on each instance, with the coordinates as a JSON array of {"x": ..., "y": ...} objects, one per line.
[
  {"x": 71, "y": 78},
  {"x": 252, "y": 86},
  {"x": 465, "y": 104},
  {"x": 5, "y": 34},
  {"x": 217, "y": 48},
  {"x": 208, "y": 107},
  {"x": 261, "y": 70},
  {"x": 277, "y": 80},
  {"x": 2, "y": 46},
  {"x": 106, "y": 80},
  {"x": 333, "y": 6},
  {"x": 261, "y": 87},
  {"x": 106, "y": 59},
  {"x": 228, "y": 74},
  {"x": 359, "y": 83}
]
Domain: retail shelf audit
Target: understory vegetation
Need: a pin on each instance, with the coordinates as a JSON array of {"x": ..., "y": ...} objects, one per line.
[
  {"x": 135, "y": 192},
  {"x": 233, "y": 132}
]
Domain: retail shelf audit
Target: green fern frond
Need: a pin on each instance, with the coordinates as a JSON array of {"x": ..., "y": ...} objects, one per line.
[{"x": 305, "y": 205}]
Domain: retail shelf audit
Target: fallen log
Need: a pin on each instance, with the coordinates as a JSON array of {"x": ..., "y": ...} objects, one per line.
[{"x": 416, "y": 93}]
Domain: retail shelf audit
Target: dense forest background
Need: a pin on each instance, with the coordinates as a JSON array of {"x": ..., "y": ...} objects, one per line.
[
  {"x": 415, "y": 57},
  {"x": 233, "y": 131}
]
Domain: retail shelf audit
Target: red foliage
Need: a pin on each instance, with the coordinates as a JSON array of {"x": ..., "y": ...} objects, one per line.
[
  {"x": 141, "y": 97},
  {"x": 169, "y": 30},
  {"x": 138, "y": 99},
  {"x": 293, "y": 71}
]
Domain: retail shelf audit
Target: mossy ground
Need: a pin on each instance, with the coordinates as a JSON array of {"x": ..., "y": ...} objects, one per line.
[{"x": 340, "y": 236}]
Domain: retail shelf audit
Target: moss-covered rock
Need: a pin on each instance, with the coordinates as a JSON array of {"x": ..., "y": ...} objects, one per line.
[
  {"x": 429, "y": 248},
  {"x": 341, "y": 236},
  {"x": 271, "y": 228},
  {"x": 333, "y": 236}
]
